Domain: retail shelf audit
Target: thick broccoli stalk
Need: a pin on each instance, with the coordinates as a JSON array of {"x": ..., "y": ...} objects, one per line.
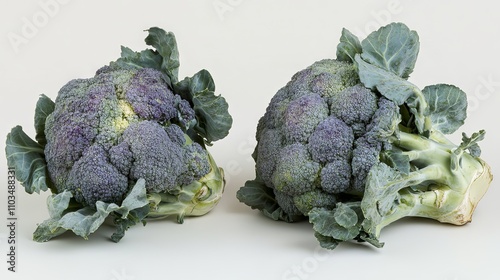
[
  {"x": 130, "y": 143},
  {"x": 446, "y": 185},
  {"x": 195, "y": 199}
]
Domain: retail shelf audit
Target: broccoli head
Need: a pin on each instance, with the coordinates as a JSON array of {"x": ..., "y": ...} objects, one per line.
[
  {"x": 353, "y": 146},
  {"x": 129, "y": 142}
]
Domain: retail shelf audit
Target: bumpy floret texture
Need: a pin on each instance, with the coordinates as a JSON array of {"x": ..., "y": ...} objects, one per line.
[
  {"x": 108, "y": 131},
  {"x": 93, "y": 178},
  {"x": 154, "y": 153},
  {"x": 317, "y": 139},
  {"x": 289, "y": 179}
]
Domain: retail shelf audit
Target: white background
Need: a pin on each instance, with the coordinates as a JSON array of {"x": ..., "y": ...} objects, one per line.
[{"x": 252, "y": 48}]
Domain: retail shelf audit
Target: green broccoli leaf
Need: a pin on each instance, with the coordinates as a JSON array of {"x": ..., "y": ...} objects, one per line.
[
  {"x": 212, "y": 114},
  {"x": 122, "y": 225},
  {"x": 343, "y": 223},
  {"x": 44, "y": 107},
  {"x": 258, "y": 196},
  {"x": 345, "y": 216},
  {"x": 56, "y": 204},
  {"x": 387, "y": 83},
  {"x": 371, "y": 239},
  {"x": 82, "y": 222},
  {"x": 340, "y": 223},
  {"x": 393, "y": 47},
  {"x": 395, "y": 89},
  {"x": 327, "y": 242},
  {"x": 165, "y": 58},
  {"x": 391, "y": 195},
  {"x": 28, "y": 159},
  {"x": 381, "y": 195},
  {"x": 447, "y": 107},
  {"x": 202, "y": 81},
  {"x": 348, "y": 47},
  {"x": 85, "y": 221},
  {"x": 468, "y": 144},
  {"x": 133, "y": 210},
  {"x": 144, "y": 59},
  {"x": 166, "y": 45},
  {"x": 397, "y": 160},
  {"x": 213, "y": 118}
]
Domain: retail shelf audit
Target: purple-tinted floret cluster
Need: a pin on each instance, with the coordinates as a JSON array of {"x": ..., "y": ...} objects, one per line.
[
  {"x": 320, "y": 135},
  {"x": 150, "y": 97},
  {"x": 94, "y": 178},
  {"x": 108, "y": 131}
]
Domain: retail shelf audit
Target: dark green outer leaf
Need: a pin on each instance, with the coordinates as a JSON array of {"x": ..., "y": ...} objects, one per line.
[
  {"x": 144, "y": 59},
  {"x": 122, "y": 225},
  {"x": 397, "y": 160},
  {"x": 381, "y": 194},
  {"x": 371, "y": 239},
  {"x": 214, "y": 120},
  {"x": 258, "y": 196},
  {"x": 212, "y": 114},
  {"x": 325, "y": 222},
  {"x": 86, "y": 220},
  {"x": 134, "y": 209},
  {"x": 447, "y": 107},
  {"x": 348, "y": 47},
  {"x": 28, "y": 159},
  {"x": 202, "y": 81},
  {"x": 189, "y": 86},
  {"x": 166, "y": 45},
  {"x": 44, "y": 107},
  {"x": 393, "y": 47},
  {"x": 327, "y": 242},
  {"x": 345, "y": 216},
  {"x": 470, "y": 143},
  {"x": 395, "y": 89},
  {"x": 387, "y": 83}
]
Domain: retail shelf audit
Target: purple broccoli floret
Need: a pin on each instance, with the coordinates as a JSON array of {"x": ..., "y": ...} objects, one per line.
[
  {"x": 150, "y": 96},
  {"x": 321, "y": 134},
  {"x": 154, "y": 153},
  {"x": 139, "y": 125},
  {"x": 93, "y": 178}
]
